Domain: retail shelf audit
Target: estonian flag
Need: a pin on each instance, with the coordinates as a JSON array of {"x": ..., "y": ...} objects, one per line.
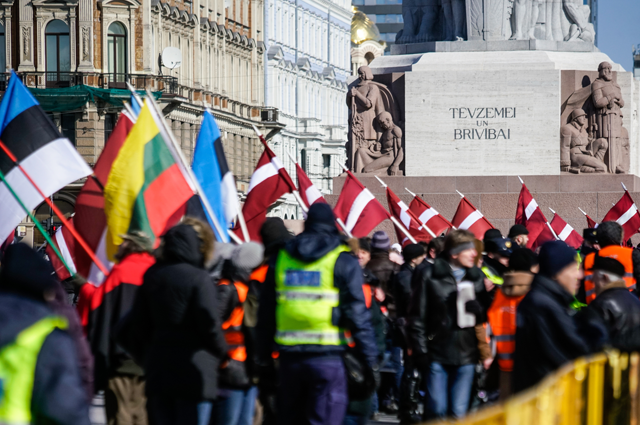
[
  {"x": 49, "y": 158},
  {"x": 211, "y": 169}
]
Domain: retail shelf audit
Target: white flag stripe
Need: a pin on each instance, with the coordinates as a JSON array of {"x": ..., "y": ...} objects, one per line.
[
  {"x": 633, "y": 210},
  {"x": 565, "y": 232},
  {"x": 52, "y": 167},
  {"x": 359, "y": 204},
  {"x": 261, "y": 174},
  {"x": 470, "y": 220},
  {"x": 404, "y": 216},
  {"x": 313, "y": 194},
  {"x": 531, "y": 208},
  {"x": 229, "y": 197},
  {"x": 64, "y": 250},
  {"x": 428, "y": 215},
  {"x": 95, "y": 275}
]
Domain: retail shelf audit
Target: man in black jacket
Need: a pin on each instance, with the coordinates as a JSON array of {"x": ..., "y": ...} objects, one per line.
[
  {"x": 441, "y": 327},
  {"x": 619, "y": 309},
  {"x": 549, "y": 332},
  {"x": 312, "y": 377}
]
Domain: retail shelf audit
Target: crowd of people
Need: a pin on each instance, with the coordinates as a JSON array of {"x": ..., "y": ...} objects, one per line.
[{"x": 309, "y": 329}]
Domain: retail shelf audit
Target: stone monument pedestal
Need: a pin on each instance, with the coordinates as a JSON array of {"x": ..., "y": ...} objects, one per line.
[{"x": 492, "y": 46}]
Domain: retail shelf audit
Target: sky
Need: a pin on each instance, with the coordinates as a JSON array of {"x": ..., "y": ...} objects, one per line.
[{"x": 619, "y": 29}]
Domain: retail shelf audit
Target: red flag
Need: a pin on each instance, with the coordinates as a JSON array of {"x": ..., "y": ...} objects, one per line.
[
  {"x": 625, "y": 213},
  {"x": 268, "y": 183},
  {"x": 591, "y": 223},
  {"x": 401, "y": 212},
  {"x": 565, "y": 232},
  {"x": 308, "y": 191},
  {"x": 468, "y": 217},
  {"x": 428, "y": 216},
  {"x": 528, "y": 214},
  {"x": 65, "y": 243},
  {"x": 358, "y": 208}
]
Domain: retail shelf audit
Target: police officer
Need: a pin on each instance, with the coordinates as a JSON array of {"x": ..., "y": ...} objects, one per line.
[
  {"x": 39, "y": 375},
  {"x": 496, "y": 260},
  {"x": 312, "y": 296}
]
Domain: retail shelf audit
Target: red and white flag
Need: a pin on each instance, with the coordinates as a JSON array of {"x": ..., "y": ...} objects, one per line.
[
  {"x": 591, "y": 223},
  {"x": 66, "y": 245},
  {"x": 528, "y": 214},
  {"x": 468, "y": 217},
  {"x": 428, "y": 216},
  {"x": 401, "y": 212},
  {"x": 565, "y": 232},
  {"x": 625, "y": 213},
  {"x": 359, "y": 210},
  {"x": 268, "y": 183},
  {"x": 308, "y": 191}
]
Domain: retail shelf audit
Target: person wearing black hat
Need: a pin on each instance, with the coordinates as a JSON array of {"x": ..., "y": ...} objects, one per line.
[
  {"x": 495, "y": 263},
  {"x": 318, "y": 283},
  {"x": 519, "y": 235},
  {"x": 35, "y": 347},
  {"x": 548, "y": 333},
  {"x": 619, "y": 309},
  {"x": 492, "y": 234}
]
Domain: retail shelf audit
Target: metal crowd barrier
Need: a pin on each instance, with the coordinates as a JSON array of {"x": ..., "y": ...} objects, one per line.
[{"x": 597, "y": 390}]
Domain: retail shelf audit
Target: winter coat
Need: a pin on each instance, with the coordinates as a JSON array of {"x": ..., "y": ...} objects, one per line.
[
  {"x": 433, "y": 321},
  {"x": 316, "y": 241},
  {"x": 58, "y": 395},
  {"x": 620, "y": 311},
  {"x": 175, "y": 324},
  {"x": 550, "y": 333},
  {"x": 401, "y": 286}
]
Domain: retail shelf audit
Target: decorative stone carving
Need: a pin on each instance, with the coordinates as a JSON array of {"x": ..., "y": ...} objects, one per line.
[
  {"x": 594, "y": 127},
  {"x": 86, "y": 43},
  {"x": 386, "y": 154},
  {"x": 367, "y": 100},
  {"x": 26, "y": 43},
  {"x": 421, "y": 21}
]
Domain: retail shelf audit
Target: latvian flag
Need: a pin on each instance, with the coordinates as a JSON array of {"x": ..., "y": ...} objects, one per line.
[
  {"x": 528, "y": 214},
  {"x": 308, "y": 191},
  {"x": 46, "y": 156},
  {"x": 565, "y": 232},
  {"x": 591, "y": 223},
  {"x": 468, "y": 217},
  {"x": 625, "y": 213},
  {"x": 401, "y": 212},
  {"x": 429, "y": 216},
  {"x": 268, "y": 183},
  {"x": 66, "y": 245},
  {"x": 148, "y": 185},
  {"x": 358, "y": 208}
]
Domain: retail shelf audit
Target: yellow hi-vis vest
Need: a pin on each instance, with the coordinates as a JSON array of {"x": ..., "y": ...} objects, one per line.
[
  {"x": 18, "y": 368},
  {"x": 305, "y": 299},
  {"x": 497, "y": 280}
]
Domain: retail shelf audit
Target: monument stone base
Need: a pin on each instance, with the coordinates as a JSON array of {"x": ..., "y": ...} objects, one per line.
[{"x": 492, "y": 45}]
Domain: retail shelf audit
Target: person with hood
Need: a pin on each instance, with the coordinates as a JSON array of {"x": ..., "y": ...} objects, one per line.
[
  {"x": 496, "y": 262},
  {"x": 523, "y": 264},
  {"x": 442, "y": 327},
  {"x": 174, "y": 329},
  {"x": 39, "y": 373},
  {"x": 237, "y": 394},
  {"x": 115, "y": 371},
  {"x": 549, "y": 333},
  {"x": 619, "y": 309},
  {"x": 380, "y": 263},
  {"x": 312, "y": 295}
]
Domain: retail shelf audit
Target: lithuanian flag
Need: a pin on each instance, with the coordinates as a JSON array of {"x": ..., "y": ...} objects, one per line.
[{"x": 147, "y": 184}]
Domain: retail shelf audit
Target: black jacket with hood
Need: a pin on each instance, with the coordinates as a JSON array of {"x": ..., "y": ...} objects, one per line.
[
  {"x": 317, "y": 240},
  {"x": 174, "y": 327},
  {"x": 620, "y": 310}
]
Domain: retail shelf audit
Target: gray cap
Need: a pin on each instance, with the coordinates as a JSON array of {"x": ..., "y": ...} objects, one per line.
[{"x": 248, "y": 256}]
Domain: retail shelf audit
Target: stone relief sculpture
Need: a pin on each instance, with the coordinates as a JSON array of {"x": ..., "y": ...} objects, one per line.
[
  {"x": 367, "y": 102},
  {"x": 421, "y": 21},
  {"x": 594, "y": 139}
]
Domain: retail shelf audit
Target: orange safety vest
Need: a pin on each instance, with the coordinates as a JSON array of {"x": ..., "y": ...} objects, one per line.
[
  {"x": 620, "y": 253},
  {"x": 232, "y": 327},
  {"x": 502, "y": 318},
  {"x": 260, "y": 274},
  {"x": 368, "y": 299}
]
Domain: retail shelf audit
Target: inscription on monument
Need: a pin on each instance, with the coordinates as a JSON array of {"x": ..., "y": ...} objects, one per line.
[{"x": 486, "y": 130}]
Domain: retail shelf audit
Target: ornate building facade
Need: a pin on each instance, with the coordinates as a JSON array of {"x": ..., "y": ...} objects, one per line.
[{"x": 307, "y": 64}]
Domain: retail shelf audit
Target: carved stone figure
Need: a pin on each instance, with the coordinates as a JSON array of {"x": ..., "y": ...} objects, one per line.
[
  {"x": 578, "y": 16},
  {"x": 607, "y": 98},
  {"x": 577, "y": 152},
  {"x": 421, "y": 21},
  {"x": 385, "y": 154},
  {"x": 455, "y": 19},
  {"x": 524, "y": 19}
]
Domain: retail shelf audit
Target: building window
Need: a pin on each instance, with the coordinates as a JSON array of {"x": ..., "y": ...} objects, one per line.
[
  {"x": 117, "y": 54},
  {"x": 109, "y": 123},
  {"x": 3, "y": 52},
  {"x": 68, "y": 127},
  {"x": 58, "y": 54},
  {"x": 326, "y": 164}
]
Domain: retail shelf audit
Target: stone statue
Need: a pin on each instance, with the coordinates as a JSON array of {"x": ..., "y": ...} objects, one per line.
[
  {"x": 455, "y": 19},
  {"x": 366, "y": 100},
  {"x": 578, "y": 16},
  {"x": 421, "y": 21},
  {"x": 577, "y": 152},
  {"x": 385, "y": 154},
  {"x": 607, "y": 98},
  {"x": 524, "y": 19}
]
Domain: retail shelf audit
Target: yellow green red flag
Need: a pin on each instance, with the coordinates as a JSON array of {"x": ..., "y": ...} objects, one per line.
[{"x": 147, "y": 184}]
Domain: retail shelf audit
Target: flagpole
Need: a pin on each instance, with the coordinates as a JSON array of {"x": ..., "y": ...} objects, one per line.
[
  {"x": 296, "y": 194},
  {"x": 397, "y": 223},
  {"x": 37, "y": 223},
  {"x": 199, "y": 191},
  {"x": 55, "y": 209},
  {"x": 344, "y": 227},
  {"x": 585, "y": 214}
]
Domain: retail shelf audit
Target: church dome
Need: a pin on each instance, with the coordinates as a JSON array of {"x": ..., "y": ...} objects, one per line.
[{"x": 363, "y": 28}]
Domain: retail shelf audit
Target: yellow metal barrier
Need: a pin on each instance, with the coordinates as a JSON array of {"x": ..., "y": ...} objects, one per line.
[{"x": 595, "y": 390}]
